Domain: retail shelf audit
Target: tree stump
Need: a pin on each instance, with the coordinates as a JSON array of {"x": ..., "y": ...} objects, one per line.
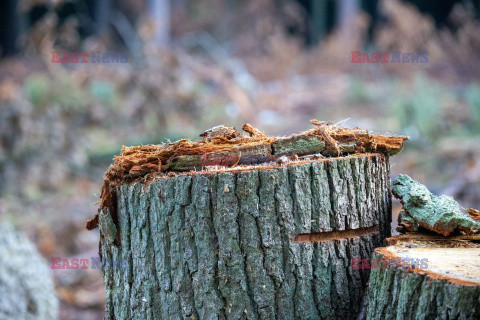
[
  {"x": 262, "y": 242},
  {"x": 424, "y": 279}
]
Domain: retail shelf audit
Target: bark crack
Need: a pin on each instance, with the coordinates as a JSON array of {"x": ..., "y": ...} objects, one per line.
[
  {"x": 212, "y": 209},
  {"x": 248, "y": 283},
  {"x": 331, "y": 188},
  {"x": 262, "y": 246}
]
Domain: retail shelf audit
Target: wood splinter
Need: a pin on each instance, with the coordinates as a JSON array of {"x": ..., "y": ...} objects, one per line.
[{"x": 253, "y": 132}]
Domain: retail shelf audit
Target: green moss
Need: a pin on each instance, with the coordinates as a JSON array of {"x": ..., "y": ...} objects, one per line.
[
  {"x": 299, "y": 145},
  {"x": 186, "y": 163}
]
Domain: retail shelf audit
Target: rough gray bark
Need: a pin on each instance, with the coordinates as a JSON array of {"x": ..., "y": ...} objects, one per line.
[
  {"x": 218, "y": 245},
  {"x": 26, "y": 286},
  {"x": 394, "y": 293}
]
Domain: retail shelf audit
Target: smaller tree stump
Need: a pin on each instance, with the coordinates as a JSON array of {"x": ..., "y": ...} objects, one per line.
[{"x": 424, "y": 279}]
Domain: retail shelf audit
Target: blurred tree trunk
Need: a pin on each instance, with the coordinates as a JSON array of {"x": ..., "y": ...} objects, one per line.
[
  {"x": 102, "y": 13},
  {"x": 347, "y": 9},
  {"x": 9, "y": 27},
  {"x": 318, "y": 24},
  {"x": 160, "y": 13}
]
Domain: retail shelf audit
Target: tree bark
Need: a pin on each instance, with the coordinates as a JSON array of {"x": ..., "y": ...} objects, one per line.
[
  {"x": 442, "y": 290},
  {"x": 227, "y": 244}
]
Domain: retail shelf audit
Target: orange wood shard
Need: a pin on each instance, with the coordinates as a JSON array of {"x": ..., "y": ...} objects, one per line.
[
  {"x": 254, "y": 132},
  {"x": 334, "y": 235},
  {"x": 474, "y": 213}
]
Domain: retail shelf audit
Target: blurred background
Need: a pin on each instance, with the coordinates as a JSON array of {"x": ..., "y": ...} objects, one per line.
[{"x": 195, "y": 64}]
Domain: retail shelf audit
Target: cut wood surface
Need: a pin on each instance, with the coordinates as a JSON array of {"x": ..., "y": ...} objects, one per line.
[
  {"x": 227, "y": 244},
  {"x": 424, "y": 279}
]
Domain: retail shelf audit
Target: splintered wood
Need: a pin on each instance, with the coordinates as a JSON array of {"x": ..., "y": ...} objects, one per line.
[{"x": 223, "y": 147}]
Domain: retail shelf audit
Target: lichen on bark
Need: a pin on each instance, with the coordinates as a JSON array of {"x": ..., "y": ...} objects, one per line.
[{"x": 440, "y": 214}]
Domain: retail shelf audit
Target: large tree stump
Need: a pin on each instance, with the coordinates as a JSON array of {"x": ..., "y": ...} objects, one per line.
[
  {"x": 424, "y": 279},
  {"x": 263, "y": 242}
]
